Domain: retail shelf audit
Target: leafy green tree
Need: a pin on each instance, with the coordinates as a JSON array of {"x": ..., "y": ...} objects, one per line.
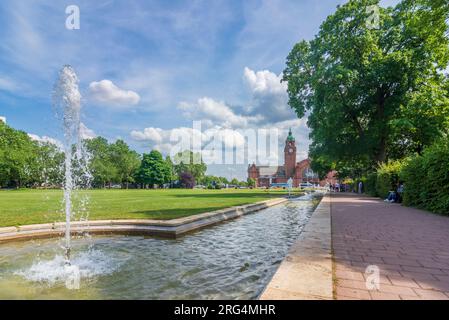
[
  {"x": 48, "y": 169},
  {"x": 126, "y": 162},
  {"x": 243, "y": 183},
  {"x": 153, "y": 169},
  {"x": 364, "y": 87},
  {"x": 235, "y": 182},
  {"x": 188, "y": 161},
  {"x": 251, "y": 182},
  {"x": 171, "y": 173},
  {"x": 17, "y": 157},
  {"x": 102, "y": 166}
]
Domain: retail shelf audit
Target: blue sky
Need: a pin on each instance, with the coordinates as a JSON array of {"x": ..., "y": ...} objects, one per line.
[{"x": 147, "y": 67}]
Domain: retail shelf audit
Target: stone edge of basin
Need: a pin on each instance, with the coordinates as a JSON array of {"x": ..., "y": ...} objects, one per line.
[
  {"x": 164, "y": 228},
  {"x": 306, "y": 272}
]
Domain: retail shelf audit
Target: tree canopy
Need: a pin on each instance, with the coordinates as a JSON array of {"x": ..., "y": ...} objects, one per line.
[
  {"x": 154, "y": 170},
  {"x": 372, "y": 94},
  {"x": 25, "y": 162},
  {"x": 188, "y": 161},
  {"x": 21, "y": 158}
]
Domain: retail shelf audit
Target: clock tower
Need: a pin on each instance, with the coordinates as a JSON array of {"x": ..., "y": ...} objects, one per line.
[{"x": 290, "y": 155}]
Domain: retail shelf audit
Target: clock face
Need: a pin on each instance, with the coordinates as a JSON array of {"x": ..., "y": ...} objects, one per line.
[{"x": 290, "y": 150}]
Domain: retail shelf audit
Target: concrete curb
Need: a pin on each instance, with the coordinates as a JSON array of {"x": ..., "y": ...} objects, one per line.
[
  {"x": 163, "y": 228},
  {"x": 306, "y": 272}
]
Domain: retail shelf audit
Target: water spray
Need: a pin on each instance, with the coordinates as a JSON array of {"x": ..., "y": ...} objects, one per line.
[{"x": 67, "y": 106}]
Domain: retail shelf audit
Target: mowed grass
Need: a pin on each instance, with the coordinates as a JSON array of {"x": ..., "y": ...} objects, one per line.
[{"x": 20, "y": 207}]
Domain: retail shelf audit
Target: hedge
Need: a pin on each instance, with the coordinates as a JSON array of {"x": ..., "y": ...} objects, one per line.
[
  {"x": 388, "y": 177},
  {"x": 370, "y": 184},
  {"x": 426, "y": 179}
]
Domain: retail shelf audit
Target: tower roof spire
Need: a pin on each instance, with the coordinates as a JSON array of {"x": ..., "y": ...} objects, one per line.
[{"x": 290, "y": 135}]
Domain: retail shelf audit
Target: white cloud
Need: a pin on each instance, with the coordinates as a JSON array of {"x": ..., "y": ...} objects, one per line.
[
  {"x": 269, "y": 104},
  {"x": 225, "y": 126},
  {"x": 183, "y": 138},
  {"x": 107, "y": 93},
  {"x": 158, "y": 135},
  {"x": 264, "y": 82},
  {"x": 86, "y": 133},
  {"x": 269, "y": 95},
  {"x": 215, "y": 113},
  {"x": 148, "y": 134},
  {"x": 46, "y": 139}
]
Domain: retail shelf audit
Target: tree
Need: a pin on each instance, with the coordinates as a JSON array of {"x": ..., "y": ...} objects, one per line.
[
  {"x": 251, "y": 182},
  {"x": 153, "y": 169},
  {"x": 187, "y": 161},
  {"x": 125, "y": 160},
  {"x": 364, "y": 87},
  {"x": 170, "y": 170},
  {"x": 187, "y": 180},
  {"x": 101, "y": 164},
  {"x": 17, "y": 157},
  {"x": 48, "y": 169},
  {"x": 235, "y": 182}
]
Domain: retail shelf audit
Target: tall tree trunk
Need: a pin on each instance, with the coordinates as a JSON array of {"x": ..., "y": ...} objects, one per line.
[{"x": 382, "y": 150}]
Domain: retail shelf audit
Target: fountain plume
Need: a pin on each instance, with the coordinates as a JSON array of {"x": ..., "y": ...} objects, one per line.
[{"x": 67, "y": 107}]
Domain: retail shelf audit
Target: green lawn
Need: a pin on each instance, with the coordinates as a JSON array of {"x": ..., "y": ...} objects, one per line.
[{"x": 19, "y": 207}]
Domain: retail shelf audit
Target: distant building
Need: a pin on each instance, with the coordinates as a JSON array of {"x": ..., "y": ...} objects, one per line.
[
  {"x": 3, "y": 119},
  {"x": 300, "y": 172}
]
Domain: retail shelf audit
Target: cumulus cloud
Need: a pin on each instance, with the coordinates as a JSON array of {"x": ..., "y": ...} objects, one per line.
[
  {"x": 175, "y": 140},
  {"x": 148, "y": 134},
  {"x": 45, "y": 139},
  {"x": 233, "y": 129},
  {"x": 107, "y": 93},
  {"x": 269, "y": 96},
  {"x": 166, "y": 140},
  {"x": 86, "y": 133},
  {"x": 269, "y": 104},
  {"x": 215, "y": 113}
]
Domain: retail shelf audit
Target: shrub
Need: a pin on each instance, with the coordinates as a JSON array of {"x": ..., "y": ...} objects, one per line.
[
  {"x": 370, "y": 184},
  {"x": 388, "y": 177},
  {"x": 426, "y": 179},
  {"x": 187, "y": 180},
  {"x": 413, "y": 176}
]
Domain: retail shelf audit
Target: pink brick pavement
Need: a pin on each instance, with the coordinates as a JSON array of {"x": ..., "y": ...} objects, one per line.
[{"x": 410, "y": 247}]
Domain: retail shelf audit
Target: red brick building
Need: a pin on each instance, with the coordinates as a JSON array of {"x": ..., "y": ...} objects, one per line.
[{"x": 300, "y": 172}]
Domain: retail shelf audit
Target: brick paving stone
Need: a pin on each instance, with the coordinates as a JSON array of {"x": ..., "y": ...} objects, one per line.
[
  {"x": 431, "y": 294},
  {"x": 353, "y": 293},
  {"x": 349, "y": 275},
  {"x": 376, "y": 295},
  {"x": 408, "y": 245},
  {"x": 403, "y": 282}
]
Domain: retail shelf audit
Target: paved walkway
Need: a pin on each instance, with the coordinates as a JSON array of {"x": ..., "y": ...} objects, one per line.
[{"x": 409, "y": 246}]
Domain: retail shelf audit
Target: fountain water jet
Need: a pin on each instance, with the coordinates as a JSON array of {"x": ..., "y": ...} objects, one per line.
[{"x": 67, "y": 106}]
